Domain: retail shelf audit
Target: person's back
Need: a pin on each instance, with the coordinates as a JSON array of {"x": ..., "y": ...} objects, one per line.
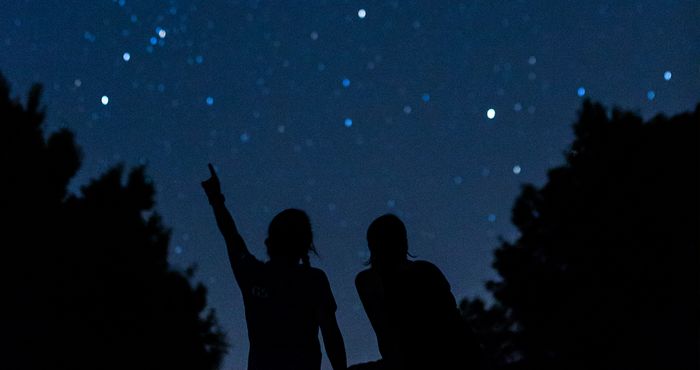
[
  {"x": 282, "y": 304},
  {"x": 286, "y": 302},
  {"x": 410, "y": 305},
  {"x": 428, "y": 318},
  {"x": 418, "y": 322}
]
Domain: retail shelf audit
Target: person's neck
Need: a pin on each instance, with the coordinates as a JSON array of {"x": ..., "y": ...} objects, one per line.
[{"x": 393, "y": 267}]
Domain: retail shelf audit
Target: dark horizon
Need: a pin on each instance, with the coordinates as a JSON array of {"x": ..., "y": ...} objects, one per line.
[{"x": 259, "y": 89}]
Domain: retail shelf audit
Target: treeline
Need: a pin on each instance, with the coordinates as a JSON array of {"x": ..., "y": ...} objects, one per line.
[
  {"x": 85, "y": 280},
  {"x": 604, "y": 273}
]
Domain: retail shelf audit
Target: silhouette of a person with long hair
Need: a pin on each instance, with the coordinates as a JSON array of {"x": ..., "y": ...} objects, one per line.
[
  {"x": 286, "y": 300},
  {"x": 409, "y": 304}
]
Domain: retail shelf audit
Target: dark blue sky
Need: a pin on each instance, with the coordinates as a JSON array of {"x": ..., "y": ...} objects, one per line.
[{"x": 306, "y": 104}]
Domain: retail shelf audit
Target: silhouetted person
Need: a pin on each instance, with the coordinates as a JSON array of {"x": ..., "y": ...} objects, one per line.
[
  {"x": 409, "y": 304},
  {"x": 286, "y": 302}
]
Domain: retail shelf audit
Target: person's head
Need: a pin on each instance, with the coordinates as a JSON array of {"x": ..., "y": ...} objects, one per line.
[
  {"x": 387, "y": 241},
  {"x": 289, "y": 237}
]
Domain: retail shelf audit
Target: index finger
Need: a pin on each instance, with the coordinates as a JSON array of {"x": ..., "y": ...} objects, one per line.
[{"x": 211, "y": 169}]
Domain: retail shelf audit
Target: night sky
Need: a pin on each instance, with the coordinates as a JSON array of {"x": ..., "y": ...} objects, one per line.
[{"x": 436, "y": 111}]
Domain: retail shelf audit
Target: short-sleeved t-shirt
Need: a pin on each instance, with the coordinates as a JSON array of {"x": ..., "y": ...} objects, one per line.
[
  {"x": 282, "y": 306},
  {"x": 418, "y": 320}
]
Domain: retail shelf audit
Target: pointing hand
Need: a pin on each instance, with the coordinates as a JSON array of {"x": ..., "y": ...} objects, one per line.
[{"x": 211, "y": 186}]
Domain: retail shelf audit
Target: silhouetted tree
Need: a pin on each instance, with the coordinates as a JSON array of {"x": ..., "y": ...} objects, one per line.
[
  {"x": 85, "y": 280},
  {"x": 494, "y": 332},
  {"x": 604, "y": 273}
]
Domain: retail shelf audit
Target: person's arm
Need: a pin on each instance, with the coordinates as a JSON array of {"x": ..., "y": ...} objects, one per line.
[
  {"x": 372, "y": 294},
  {"x": 368, "y": 303},
  {"x": 325, "y": 311},
  {"x": 333, "y": 341},
  {"x": 372, "y": 306},
  {"x": 235, "y": 245}
]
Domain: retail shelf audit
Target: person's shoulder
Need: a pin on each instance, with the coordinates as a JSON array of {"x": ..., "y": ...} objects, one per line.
[
  {"x": 250, "y": 258},
  {"x": 364, "y": 275},
  {"x": 424, "y": 265},
  {"x": 316, "y": 273},
  {"x": 247, "y": 263},
  {"x": 426, "y": 268}
]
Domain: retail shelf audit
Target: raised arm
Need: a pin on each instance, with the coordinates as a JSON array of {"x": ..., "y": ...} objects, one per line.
[{"x": 235, "y": 245}]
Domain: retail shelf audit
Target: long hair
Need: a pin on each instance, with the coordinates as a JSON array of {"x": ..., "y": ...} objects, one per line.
[{"x": 290, "y": 236}]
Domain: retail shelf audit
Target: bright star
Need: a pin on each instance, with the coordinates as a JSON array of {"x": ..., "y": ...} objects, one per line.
[{"x": 491, "y": 113}]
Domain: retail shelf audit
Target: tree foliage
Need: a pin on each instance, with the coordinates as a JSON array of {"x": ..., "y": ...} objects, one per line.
[
  {"x": 85, "y": 279},
  {"x": 604, "y": 273}
]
